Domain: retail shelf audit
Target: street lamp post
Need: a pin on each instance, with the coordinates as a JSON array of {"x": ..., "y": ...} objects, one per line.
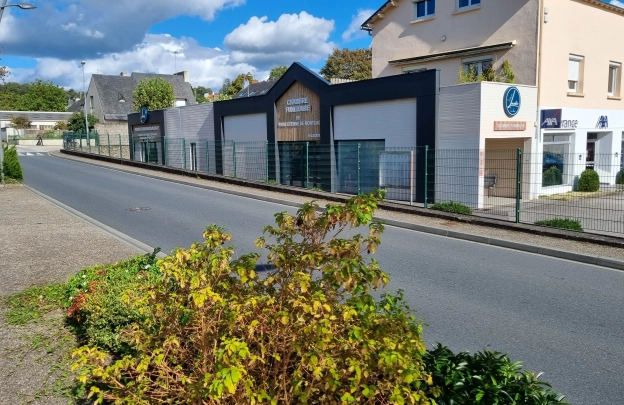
[
  {"x": 86, "y": 110},
  {"x": 23, "y": 6}
]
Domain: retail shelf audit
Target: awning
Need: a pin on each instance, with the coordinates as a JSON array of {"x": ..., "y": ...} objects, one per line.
[{"x": 453, "y": 54}]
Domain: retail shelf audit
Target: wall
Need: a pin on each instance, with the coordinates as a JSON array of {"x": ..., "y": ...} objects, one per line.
[
  {"x": 112, "y": 128},
  {"x": 581, "y": 28},
  {"x": 397, "y": 37},
  {"x": 96, "y": 108}
]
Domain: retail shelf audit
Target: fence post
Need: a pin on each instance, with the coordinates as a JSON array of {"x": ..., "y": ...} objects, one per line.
[
  {"x": 109, "y": 150},
  {"x": 412, "y": 175},
  {"x": 208, "y": 157},
  {"x": 89, "y": 146},
  {"x": 307, "y": 165},
  {"x": 359, "y": 177},
  {"x": 426, "y": 174},
  {"x": 165, "y": 152},
  {"x": 120, "y": 148},
  {"x": 80, "y": 142},
  {"x": 234, "y": 156},
  {"x": 184, "y": 152},
  {"x": 518, "y": 184},
  {"x": 266, "y": 161},
  {"x": 99, "y": 144}
]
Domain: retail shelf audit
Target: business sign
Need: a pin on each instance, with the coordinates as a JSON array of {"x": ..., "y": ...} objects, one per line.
[
  {"x": 146, "y": 132},
  {"x": 510, "y": 125},
  {"x": 603, "y": 122},
  {"x": 512, "y": 102},
  {"x": 551, "y": 119},
  {"x": 298, "y": 115},
  {"x": 144, "y": 115}
]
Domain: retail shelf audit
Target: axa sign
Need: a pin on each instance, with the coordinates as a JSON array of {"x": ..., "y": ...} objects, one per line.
[
  {"x": 551, "y": 119},
  {"x": 512, "y": 102},
  {"x": 603, "y": 122},
  {"x": 144, "y": 115}
]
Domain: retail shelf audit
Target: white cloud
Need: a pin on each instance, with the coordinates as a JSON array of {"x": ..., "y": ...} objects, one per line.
[
  {"x": 293, "y": 37},
  {"x": 90, "y": 28},
  {"x": 354, "y": 31},
  {"x": 208, "y": 67}
]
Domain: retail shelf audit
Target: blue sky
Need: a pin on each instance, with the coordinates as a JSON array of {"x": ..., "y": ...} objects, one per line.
[{"x": 216, "y": 39}]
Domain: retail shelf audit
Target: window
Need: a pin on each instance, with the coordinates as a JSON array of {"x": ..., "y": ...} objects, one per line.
[
  {"x": 263, "y": 91},
  {"x": 555, "y": 156},
  {"x": 478, "y": 66},
  {"x": 253, "y": 93},
  {"x": 467, "y": 3},
  {"x": 413, "y": 69},
  {"x": 180, "y": 102},
  {"x": 574, "y": 74},
  {"x": 423, "y": 8},
  {"x": 614, "y": 70}
]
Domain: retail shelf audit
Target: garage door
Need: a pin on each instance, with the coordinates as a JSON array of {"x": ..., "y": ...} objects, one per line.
[
  {"x": 245, "y": 128},
  {"x": 394, "y": 121},
  {"x": 249, "y": 132}
]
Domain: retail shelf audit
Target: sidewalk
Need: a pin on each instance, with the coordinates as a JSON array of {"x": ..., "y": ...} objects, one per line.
[
  {"x": 551, "y": 246},
  {"x": 41, "y": 244}
]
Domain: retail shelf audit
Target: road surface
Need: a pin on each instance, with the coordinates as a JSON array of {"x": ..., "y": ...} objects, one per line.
[{"x": 559, "y": 317}]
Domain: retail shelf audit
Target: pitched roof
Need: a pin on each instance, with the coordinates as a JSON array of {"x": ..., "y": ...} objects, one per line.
[
  {"x": 115, "y": 92},
  {"x": 256, "y": 89},
  {"x": 36, "y": 115},
  {"x": 77, "y": 106}
]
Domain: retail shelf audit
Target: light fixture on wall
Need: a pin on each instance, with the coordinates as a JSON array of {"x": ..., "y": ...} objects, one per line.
[
  {"x": 545, "y": 14},
  {"x": 443, "y": 38}
]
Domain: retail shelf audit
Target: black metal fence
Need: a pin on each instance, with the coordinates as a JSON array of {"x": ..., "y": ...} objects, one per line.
[{"x": 545, "y": 188}]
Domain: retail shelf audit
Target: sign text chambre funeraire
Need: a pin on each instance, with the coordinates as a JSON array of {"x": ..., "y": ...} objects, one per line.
[{"x": 297, "y": 105}]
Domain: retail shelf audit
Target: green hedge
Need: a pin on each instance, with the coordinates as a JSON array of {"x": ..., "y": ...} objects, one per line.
[
  {"x": 11, "y": 165},
  {"x": 552, "y": 177},
  {"x": 589, "y": 181}
]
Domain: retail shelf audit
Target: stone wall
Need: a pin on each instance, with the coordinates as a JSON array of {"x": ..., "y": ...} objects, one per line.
[{"x": 120, "y": 128}]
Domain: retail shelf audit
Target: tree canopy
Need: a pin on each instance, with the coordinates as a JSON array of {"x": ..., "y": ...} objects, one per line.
[
  {"x": 76, "y": 122},
  {"x": 200, "y": 93},
  {"x": 20, "y": 122},
  {"x": 233, "y": 87},
  {"x": 277, "y": 72},
  {"x": 356, "y": 64},
  {"x": 36, "y": 96},
  {"x": 154, "y": 93}
]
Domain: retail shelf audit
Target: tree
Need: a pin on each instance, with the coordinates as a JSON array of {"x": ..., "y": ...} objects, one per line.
[
  {"x": 62, "y": 126},
  {"x": 44, "y": 96},
  {"x": 72, "y": 94},
  {"x": 20, "y": 122},
  {"x": 76, "y": 122},
  {"x": 154, "y": 94},
  {"x": 356, "y": 64},
  {"x": 200, "y": 93},
  {"x": 277, "y": 72},
  {"x": 233, "y": 87}
]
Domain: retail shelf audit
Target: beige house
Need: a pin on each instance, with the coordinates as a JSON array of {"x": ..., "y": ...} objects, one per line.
[{"x": 565, "y": 54}]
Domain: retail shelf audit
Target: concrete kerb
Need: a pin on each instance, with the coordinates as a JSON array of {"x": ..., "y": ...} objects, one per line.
[
  {"x": 561, "y": 254},
  {"x": 105, "y": 228}
]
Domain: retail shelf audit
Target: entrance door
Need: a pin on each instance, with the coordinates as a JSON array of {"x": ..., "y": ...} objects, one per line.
[
  {"x": 150, "y": 152},
  {"x": 590, "y": 157},
  {"x": 292, "y": 156},
  {"x": 193, "y": 156}
]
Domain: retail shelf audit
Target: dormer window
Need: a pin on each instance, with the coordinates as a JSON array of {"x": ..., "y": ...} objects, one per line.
[{"x": 423, "y": 9}]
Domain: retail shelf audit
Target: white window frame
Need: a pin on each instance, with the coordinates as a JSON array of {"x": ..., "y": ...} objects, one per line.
[
  {"x": 574, "y": 86},
  {"x": 181, "y": 102},
  {"x": 415, "y": 68},
  {"x": 471, "y": 4},
  {"x": 478, "y": 60},
  {"x": 613, "y": 89},
  {"x": 427, "y": 14}
]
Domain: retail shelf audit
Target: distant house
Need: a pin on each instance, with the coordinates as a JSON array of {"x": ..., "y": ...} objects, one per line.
[
  {"x": 39, "y": 121},
  {"x": 256, "y": 89},
  {"x": 110, "y": 99}
]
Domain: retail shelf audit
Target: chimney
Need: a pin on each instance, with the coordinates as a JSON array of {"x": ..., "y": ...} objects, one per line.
[
  {"x": 184, "y": 74},
  {"x": 123, "y": 74}
]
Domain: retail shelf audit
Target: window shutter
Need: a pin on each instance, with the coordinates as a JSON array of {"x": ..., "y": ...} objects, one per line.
[{"x": 573, "y": 70}]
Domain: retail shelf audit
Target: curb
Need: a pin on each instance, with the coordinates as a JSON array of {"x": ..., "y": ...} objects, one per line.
[
  {"x": 502, "y": 243},
  {"x": 105, "y": 228}
]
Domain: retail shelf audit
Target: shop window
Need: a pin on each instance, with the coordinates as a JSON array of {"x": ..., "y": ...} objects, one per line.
[
  {"x": 423, "y": 9},
  {"x": 461, "y": 4},
  {"x": 555, "y": 160},
  {"x": 575, "y": 68},
  {"x": 614, "y": 70}
]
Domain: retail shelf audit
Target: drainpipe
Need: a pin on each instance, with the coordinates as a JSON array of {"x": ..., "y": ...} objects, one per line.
[{"x": 538, "y": 70}]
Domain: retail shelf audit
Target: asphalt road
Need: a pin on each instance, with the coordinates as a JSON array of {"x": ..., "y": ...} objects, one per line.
[{"x": 559, "y": 317}]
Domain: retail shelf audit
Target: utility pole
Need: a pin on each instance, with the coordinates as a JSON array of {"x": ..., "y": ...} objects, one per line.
[{"x": 86, "y": 107}]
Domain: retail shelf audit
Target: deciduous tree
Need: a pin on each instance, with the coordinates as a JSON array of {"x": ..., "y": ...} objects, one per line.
[
  {"x": 356, "y": 64},
  {"x": 76, "y": 122},
  {"x": 20, "y": 122},
  {"x": 277, "y": 72},
  {"x": 153, "y": 93},
  {"x": 44, "y": 96}
]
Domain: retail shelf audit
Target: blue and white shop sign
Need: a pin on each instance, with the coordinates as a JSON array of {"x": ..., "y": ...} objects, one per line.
[{"x": 512, "y": 101}]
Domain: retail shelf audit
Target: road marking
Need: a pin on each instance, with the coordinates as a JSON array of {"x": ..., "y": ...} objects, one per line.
[{"x": 32, "y": 154}]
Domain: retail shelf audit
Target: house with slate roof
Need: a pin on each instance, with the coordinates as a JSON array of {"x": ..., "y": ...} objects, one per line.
[{"x": 109, "y": 97}]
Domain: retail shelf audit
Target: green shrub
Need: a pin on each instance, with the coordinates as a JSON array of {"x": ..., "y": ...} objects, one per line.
[
  {"x": 309, "y": 331},
  {"x": 619, "y": 178},
  {"x": 552, "y": 177},
  {"x": 455, "y": 207},
  {"x": 94, "y": 300},
  {"x": 589, "y": 181},
  {"x": 563, "y": 223},
  {"x": 485, "y": 378},
  {"x": 11, "y": 166}
]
